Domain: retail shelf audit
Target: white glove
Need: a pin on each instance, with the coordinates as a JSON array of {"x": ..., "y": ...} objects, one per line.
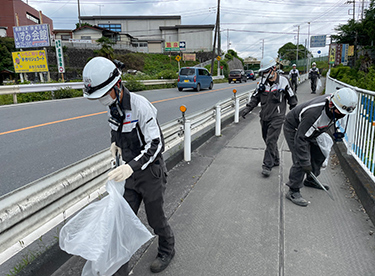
[
  {"x": 114, "y": 149},
  {"x": 121, "y": 173}
]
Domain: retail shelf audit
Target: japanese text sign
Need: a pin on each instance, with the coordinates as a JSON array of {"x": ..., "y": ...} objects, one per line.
[
  {"x": 30, "y": 61},
  {"x": 31, "y": 36},
  {"x": 59, "y": 56},
  {"x": 318, "y": 41},
  {"x": 172, "y": 46}
]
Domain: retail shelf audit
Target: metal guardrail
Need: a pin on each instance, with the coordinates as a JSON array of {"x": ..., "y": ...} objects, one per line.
[
  {"x": 43, "y": 87},
  {"x": 360, "y": 131},
  {"x": 29, "y": 212}
]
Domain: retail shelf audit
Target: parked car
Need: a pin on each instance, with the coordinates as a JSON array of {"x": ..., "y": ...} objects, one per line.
[
  {"x": 237, "y": 75},
  {"x": 250, "y": 74},
  {"x": 194, "y": 77}
]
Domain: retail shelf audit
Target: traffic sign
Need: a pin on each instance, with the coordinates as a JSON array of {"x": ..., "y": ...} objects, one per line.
[
  {"x": 182, "y": 45},
  {"x": 318, "y": 41},
  {"x": 178, "y": 58},
  {"x": 218, "y": 58}
]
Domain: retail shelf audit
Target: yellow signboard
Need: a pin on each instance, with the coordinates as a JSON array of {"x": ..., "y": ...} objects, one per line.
[
  {"x": 218, "y": 58},
  {"x": 351, "y": 51},
  {"x": 178, "y": 58},
  {"x": 30, "y": 61},
  {"x": 332, "y": 54}
]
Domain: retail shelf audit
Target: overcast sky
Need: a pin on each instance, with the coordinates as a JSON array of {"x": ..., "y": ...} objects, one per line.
[{"x": 245, "y": 24}]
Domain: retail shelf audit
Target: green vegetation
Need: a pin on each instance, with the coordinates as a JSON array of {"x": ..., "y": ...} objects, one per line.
[
  {"x": 355, "y": 77},
  {"x": 106, "y": 50},
  {"x": 6, "y": 49},
  {"x": 363, "y": 31},
  {"x": 288, "y": 52}
]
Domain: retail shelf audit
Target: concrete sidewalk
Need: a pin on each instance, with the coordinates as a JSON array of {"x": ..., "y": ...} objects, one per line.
[
  {"x": 236, "y": 222},
  {"x": 230, "y": 220}
]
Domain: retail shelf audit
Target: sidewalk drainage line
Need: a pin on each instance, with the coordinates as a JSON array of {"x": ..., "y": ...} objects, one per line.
[{"x": 281, "y": 214}]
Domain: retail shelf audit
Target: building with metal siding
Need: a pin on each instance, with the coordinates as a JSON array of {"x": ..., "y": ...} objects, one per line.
[
  {"x": 16, "y": 10},
  {"x": 149, "y": 33}
]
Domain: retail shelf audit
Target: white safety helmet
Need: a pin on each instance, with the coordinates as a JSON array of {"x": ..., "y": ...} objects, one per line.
[
  {"x": 266, "y": 63},
  {"x": 99, "y": 76},
  {"x": 314, "y": 64},
  {"x": 345, "y": 100},
  {"x": 294, "y": 65}
]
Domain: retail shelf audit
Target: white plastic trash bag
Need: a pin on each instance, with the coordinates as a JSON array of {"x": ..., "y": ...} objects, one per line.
[
  {"x": 106, "y": 233},
  {"x": 318, "y": 84},
  {"x": 325, "y": 143}
]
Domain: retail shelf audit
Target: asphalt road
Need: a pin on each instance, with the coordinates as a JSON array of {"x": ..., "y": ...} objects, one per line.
[{"x": 39, "y": 138}]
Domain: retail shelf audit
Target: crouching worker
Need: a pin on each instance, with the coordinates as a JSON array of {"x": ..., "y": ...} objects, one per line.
[
  {"x": 273, "y": 92},
  {"x": 302, "y": 126},
  {"x": 137, "y": 137}
]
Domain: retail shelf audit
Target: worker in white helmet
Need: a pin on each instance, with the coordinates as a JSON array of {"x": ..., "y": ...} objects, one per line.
[
  {"x": 302, "y": 127},
  {"x": 137, "y": 137},
  {"x": 294, "y": 77},
  {"x": 314, "y": 75},
  {"x": 274, "y": 93}
]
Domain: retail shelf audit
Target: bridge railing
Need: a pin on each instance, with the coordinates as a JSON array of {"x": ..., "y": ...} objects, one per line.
[{"x": 359, "y": 126}]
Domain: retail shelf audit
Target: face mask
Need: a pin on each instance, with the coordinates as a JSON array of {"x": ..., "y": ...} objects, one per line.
[{"x": 107, "y": 100}]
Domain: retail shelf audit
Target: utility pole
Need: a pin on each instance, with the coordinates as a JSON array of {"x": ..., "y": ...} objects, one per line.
[
  {"x": 228, "y": 43},
  {"x": 218, "y": 38},
  {"x": 262, "y": 48},
  {"x": 363, "y": 8},
  {"x": 356, "y": 33},
  {"x": 297, "y": 44},
  {"x": 308, "y": 45},
  {"x": 214, "y": 47},
  {"x": 79, "y": 15},
  {"x": 307, "y": 60}
]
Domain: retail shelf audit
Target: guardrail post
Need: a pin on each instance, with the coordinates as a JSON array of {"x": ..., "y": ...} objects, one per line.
[
  {"x": 218, "y": 120},
  {"x": 187, "y": 141},
  {"x": 15, "y": 98},
  {"x": 237, "y": 110},
  {"x": 236, "y": 107}
]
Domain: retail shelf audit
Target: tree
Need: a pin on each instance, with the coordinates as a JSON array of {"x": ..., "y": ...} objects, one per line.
[
  {"x": 363, "y": 31},
  {"x": 82, "y": 24},
  {"x": 289, "y": 50},
  {"x": 6, "y": 49},
  {"x": 106, "y": 50}
]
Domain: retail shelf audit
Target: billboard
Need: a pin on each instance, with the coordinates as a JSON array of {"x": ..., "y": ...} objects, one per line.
[
  {"x": 172, "y": 46},
  {"x": 332, "y": 53},
  {"x": 30, "y": 61},
  {"x": 345, "y": 52},
  {"x": 31, "y": 36},
  {"x": 189, "y": 57}
]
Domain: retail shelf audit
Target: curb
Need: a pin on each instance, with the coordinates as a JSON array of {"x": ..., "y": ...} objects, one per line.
[{"x": 363, "y": 185}]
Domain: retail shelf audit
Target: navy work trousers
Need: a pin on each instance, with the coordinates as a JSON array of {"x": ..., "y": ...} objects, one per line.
[{"x": 296, "y": 173}]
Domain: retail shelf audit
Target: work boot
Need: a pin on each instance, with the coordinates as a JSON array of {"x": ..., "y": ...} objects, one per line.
[
  {"x": 296, "y": 198},
  {"x": 161, "y": 262},
  {"x": 266, "y": 172},
  {"x": 312, "y": 184}
]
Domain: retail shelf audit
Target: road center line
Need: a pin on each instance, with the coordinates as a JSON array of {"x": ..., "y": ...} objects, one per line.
[{"x": 99, "y": 113}]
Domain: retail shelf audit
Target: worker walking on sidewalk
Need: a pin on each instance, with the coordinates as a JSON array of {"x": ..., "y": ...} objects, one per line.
[
  {"x": 137, "y": 137},
  {"x": 273, "y": 92},
  {"x": 294, "y": 77},
  {"x": 314, "y": 75},
  {"x": 302, "y": 127}
]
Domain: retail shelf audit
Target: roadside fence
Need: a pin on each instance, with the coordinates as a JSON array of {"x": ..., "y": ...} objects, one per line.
[{"x": 360, "y": 126}]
